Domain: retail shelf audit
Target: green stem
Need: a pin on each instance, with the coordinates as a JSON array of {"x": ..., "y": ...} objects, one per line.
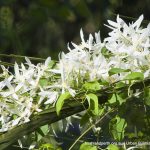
[
  {"x": 20, "y": 56},
  {"x": 93, "y": 125},
  {"x": 6, "y": 64}
]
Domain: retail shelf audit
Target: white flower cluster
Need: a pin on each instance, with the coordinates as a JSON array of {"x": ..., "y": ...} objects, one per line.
[
  {"x": 34, "y": 87},
  {"x": 20, "y": 92}
]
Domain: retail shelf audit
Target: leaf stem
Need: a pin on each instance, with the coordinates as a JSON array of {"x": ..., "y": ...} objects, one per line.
[
  {"x": 90, "y": 129},
  {"x": 20, "y": 56}
]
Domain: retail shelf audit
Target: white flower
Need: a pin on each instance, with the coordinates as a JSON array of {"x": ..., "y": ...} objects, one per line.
[
  {"x": 12, "y": 91},
  {"x": 63, "y": 84},
  {"x": 129, "y": 41},
  {"x": 127, "y": 47},
  {"x": 51, "y": 97}
]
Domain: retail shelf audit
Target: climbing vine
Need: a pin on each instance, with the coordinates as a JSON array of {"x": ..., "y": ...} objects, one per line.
[{"x": 107, "y": 80}]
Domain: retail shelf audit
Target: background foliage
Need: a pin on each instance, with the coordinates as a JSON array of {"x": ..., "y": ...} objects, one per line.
[{"x": 43, "y": 28}]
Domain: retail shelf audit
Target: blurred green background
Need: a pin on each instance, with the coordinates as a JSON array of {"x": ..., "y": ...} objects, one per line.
[{"x": 42, "y": 28}]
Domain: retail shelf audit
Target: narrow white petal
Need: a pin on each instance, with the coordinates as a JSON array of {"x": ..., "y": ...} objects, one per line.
[
  {"x": 16, "y": 69},
  {"x": 18, "y": 87},
  {"x": 90, "y": 42},
  {"x": 97, "y": 37},
  {"x": 138, "y": 22},
  {"x": 16, "y": 121},
  {"x": 82, "y": 35},
  {"x": 28, "y": 61},
  {"x": 112, "y": 23},
  {"x": 47, "y": 61}
]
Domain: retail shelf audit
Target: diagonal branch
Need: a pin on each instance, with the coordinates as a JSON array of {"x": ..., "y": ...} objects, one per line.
[{"x": 46, "y": 117}]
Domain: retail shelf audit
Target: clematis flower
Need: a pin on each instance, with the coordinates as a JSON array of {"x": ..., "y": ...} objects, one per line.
[
  {"x": 51, "y": 97},
  {"x": 21, "y": 93}
]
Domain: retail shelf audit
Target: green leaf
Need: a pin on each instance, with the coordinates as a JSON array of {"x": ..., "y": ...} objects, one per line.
[
  {"x": 59, "y": 148},
  {"x": 120, "y": 85},
  {"x": 93, "y": 86},
  {"x": 120, "y": 99},
  {"x": 43, "y": 82},
  {"x": 113, "y": 99},
  {"x": 93, "y": 103},
  {"x": 41, "y": 132},
  {"x": 106, "y": 53},
  {"x": 147, "y": 96},
  {"x": 117, "y": 128},
  {"x": 60, "y": 101},
  {"x": 51, "y": 64},
  {"x": 113, "y": 71},
  {"x": 47, "y": 146},
  {"x": 44, "y": 129},
  {"x": 87, "y": 146},
  {"x": 100, "y": 110},
  {"x": 135, "y": 76},
  {"x": 112, "y": 147},
  {"x": 116, "y": 98}
]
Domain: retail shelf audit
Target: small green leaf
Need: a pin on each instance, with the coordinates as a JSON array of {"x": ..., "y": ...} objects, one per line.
[
  {"x": 51, "y": 64},
  {"x": 87, "y": 146},
  {"x": 60, "y": 101},
  {"x": 104, "y": 82},
  {"x": 44, "y": 129},
  {"x": 112, "y": 147},
  {"x": 120, "y": 85},
  {"x": 41, "y": 132},
  {"x": 100, "y": 110},
  {"x": 93, "y": 103},
  {"x": 106, "y": 53},
  {"x": 116, "y": 98},
  {"x": 59, "y": 148},
  {"x": 120, "y": 99},
  {"x": 93, "y": 86},
  {"x": 135, "y": 76},
  {"x": 113, "y": 99},
  {"x": 117, "y": 128},
  {"x": 47, "y": 146},
  {"x": 113, "y": 71},
  {"x": 43, "y": 82}
]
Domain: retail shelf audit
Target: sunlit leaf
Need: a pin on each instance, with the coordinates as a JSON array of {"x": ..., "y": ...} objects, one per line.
[
  {"x": 87, "y": 146},
  {"x": 93, "y": 86},
  {"x": 93, "y": 103},
  {"x": 135, "y": 76},
  {"x": 61, "y": 100},
  {"x": 113, "y": 71},
  {"x": 112, "y": 147},
  {"x": 44, "y": 129},
  {"x": 116, "y": 98},
  {"x": 47, "y": 147},
  {"x": 51, "y": 64},
  {"x": 43, "y": 82},
  {"x": 117, "y": 128}
]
